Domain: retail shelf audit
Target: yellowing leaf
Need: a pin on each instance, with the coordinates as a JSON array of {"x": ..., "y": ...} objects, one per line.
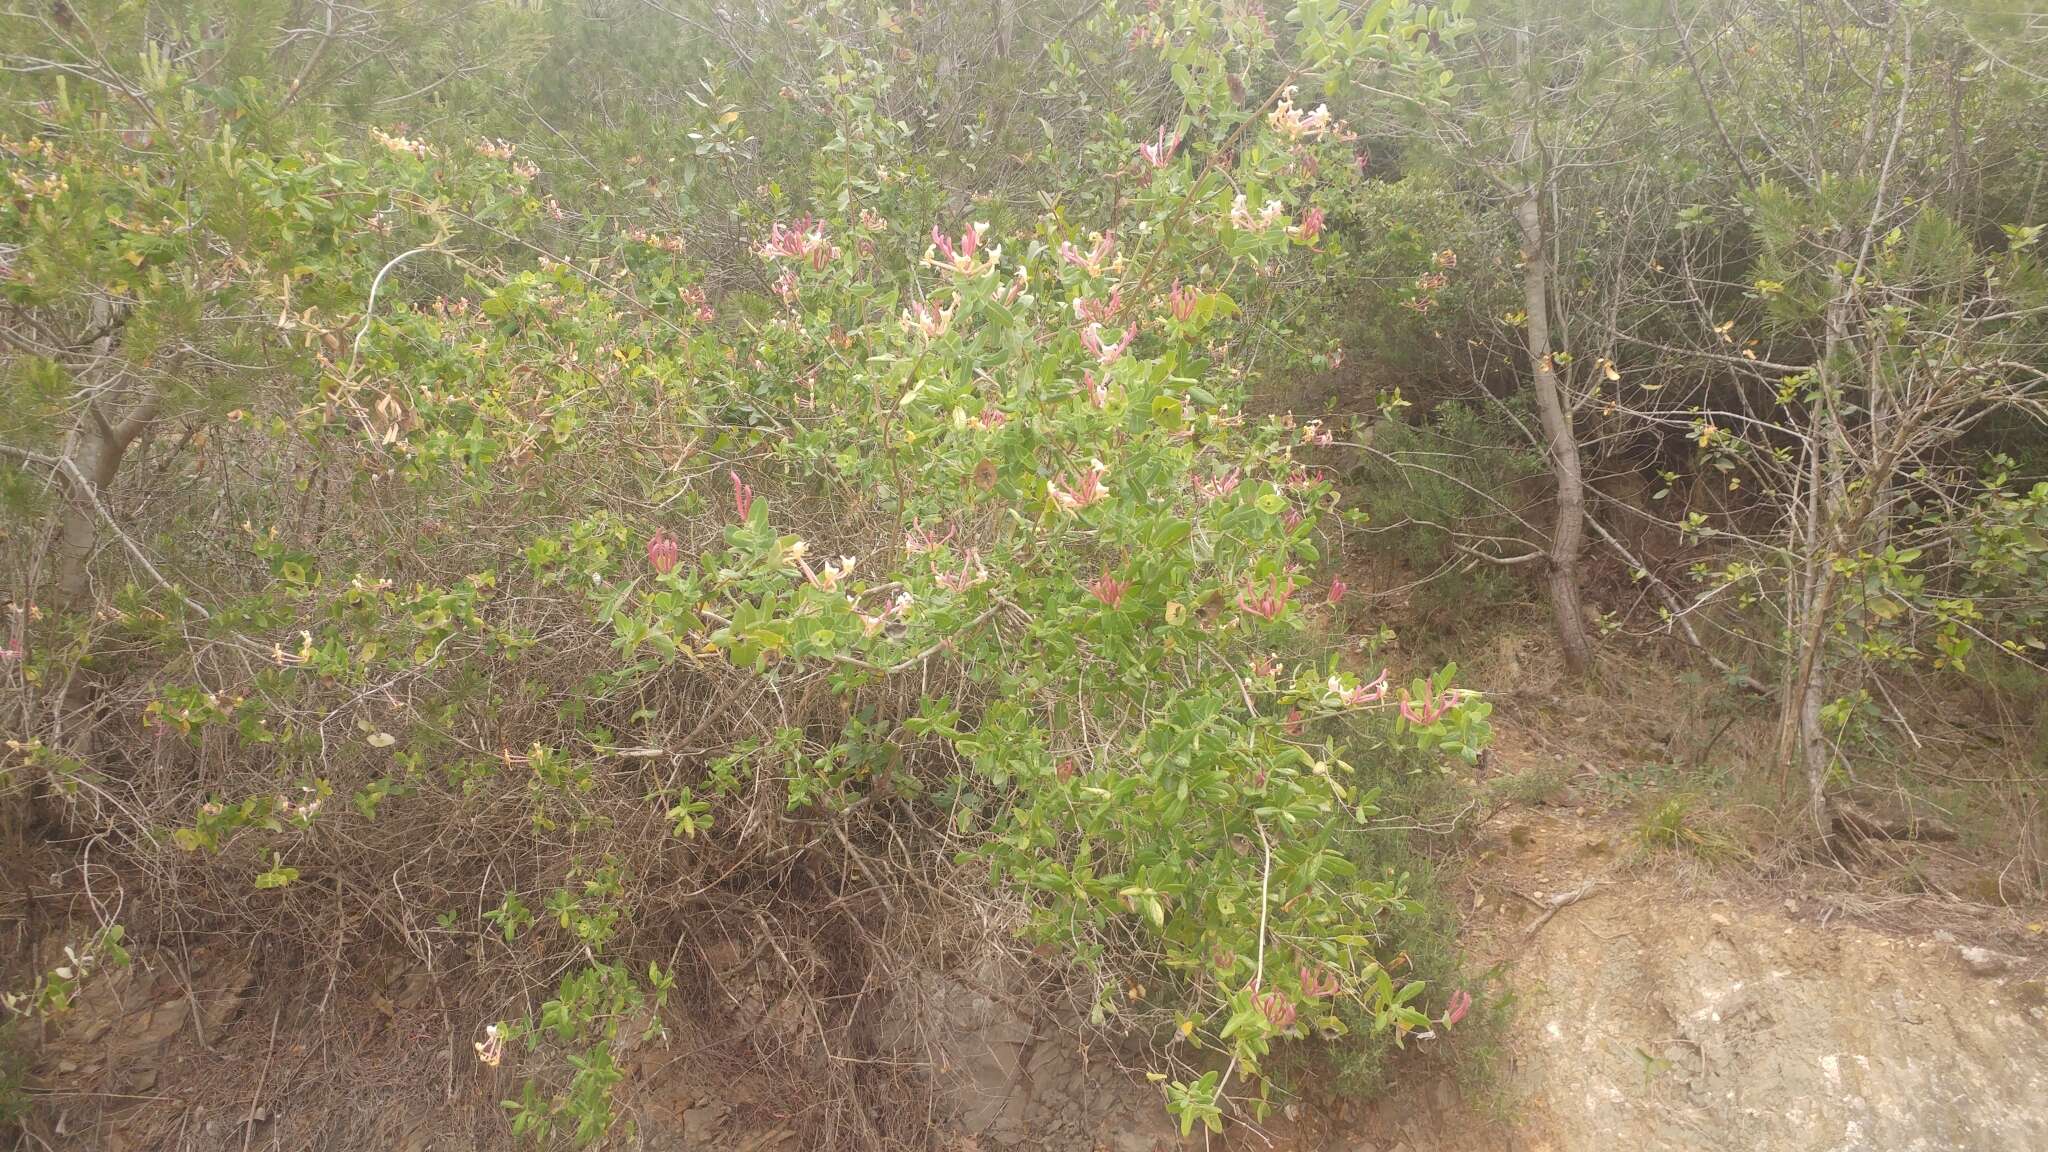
[{"x": 381, "y": 739}]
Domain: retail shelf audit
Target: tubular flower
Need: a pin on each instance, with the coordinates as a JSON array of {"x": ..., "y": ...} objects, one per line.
[
  {"x": 920, "y": 540},
  {"x": 1277, "y": 1008},
  {"x": 1181, "y": 302},
  {"x": 1098, "y": 390},
  {"x": 828, "y": 577},
  {"x": 1337, "y": 590},
  {"x": 1317, "y": 985},
  {"x": 1266, "y": 605},
  {"x": 1106, "y": 353},
  {"x": 873, "y": 622},
  {"x": 1217, "y": 489},
  {"x": 1241, "y": 215},
  {"x": 1086, "y": 491},
  {"x": 1015, "y": 290},
  {"x": 1460, "y": 1003},
  {"x": 1361, "y": 695},
  {"x": 1295, "y": 124},
  {"x": 800, "y": 239},
  {"x": 971, "y": 573},
  {"x": 961, "y": 257},
  {"x": 491, "y": 1049},
  {"x": 1109, "y": 589},
  {"x": 928, "y": 321},
  {"x": 1311, "y": 226},
  {"x": 1301, "y": 480},
  {"x": 1160, "y": 152},
  {"x": 742, "y": 495},
  {"x": 1087, "y": 309},
  {"x": 1095, "y": 260},
  {"x": 1430, "y": 708},
  {"x": 661, "y": 552}
]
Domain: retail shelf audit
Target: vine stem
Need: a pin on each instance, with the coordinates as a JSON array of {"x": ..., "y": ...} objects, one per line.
[
  {"x": 1259, "y": 966},
  {"x": 370, "y": 309}
]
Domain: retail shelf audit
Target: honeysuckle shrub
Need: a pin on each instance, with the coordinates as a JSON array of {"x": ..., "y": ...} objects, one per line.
[{"x": 538, "y": 586}]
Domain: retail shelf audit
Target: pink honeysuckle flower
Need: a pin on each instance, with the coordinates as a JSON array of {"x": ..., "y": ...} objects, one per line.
[
  {"x": 1460, "y": 1003},
  {"x": 662, "y": 552},
  {"x": 1095, "y": 260},
  {"x": 1291, "y": 519},
  {"x": 1217, "y": 489},
  {"x": 491, "y": 1049},
  {"x": 1098, "y": 390},
  {"x": 1277, "y": 1008},
  {"x": 872, "y": 623},
  {"x": 1318, "y": 985},
  {"x": 920, "y": 540},
  {"x": 1087, "y": 309},
  {"x": 1084, "y": 492},
  {"x": 971, "y": 573},
  {"x": 1241, "y": 215},
  {"x": 1160, "y": 152},
  {"x": 742, "y": 495},
  {"x": 1301, "y": 480},
  {"x": 1360, "y": 695},
  {"x": 961, "y": 257},
  {"x": 1106, "y": 353},
  {"x": 928, "y": 321},
  {"x": 827, "y": 578},
  {"x": 1311, "y": 226},
  {"x": 1181, "y": 302},
  {"x": 1337, "y": 590},
  {"x": 1430, "y": 708},
  {"x": 1267, "y": 604},
  {"x": 1295, "y": 124},
  {"x": 801, "y": 239},
  {"x": 1109, "y": 589},
  {"x": 1265, "y": 668}
]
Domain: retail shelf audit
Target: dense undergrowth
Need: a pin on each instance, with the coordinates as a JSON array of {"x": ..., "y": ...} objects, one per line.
[
  {"x": 545, "y": 584},
  {"x": 614, "y": 503}
]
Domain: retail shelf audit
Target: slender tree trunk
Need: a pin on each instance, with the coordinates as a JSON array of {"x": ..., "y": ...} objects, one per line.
[
  {"x": 1567, "y": 533},
  {"x": 1801, "y": 741},
  {"x": 97, "y": 447}
]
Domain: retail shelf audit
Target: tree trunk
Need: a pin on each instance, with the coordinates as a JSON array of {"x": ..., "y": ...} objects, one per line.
[
  {"x": 96, "y": 450},
  {"x": 1801, "y": 741},
  {"x": 1567, "y": 532}
]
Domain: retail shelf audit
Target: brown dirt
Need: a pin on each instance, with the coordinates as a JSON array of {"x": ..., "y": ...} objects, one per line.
[{"x": 1681, "y": 1005}]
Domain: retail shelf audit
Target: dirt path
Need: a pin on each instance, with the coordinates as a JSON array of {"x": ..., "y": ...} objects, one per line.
[{"x": 1645, "y": 1021}]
